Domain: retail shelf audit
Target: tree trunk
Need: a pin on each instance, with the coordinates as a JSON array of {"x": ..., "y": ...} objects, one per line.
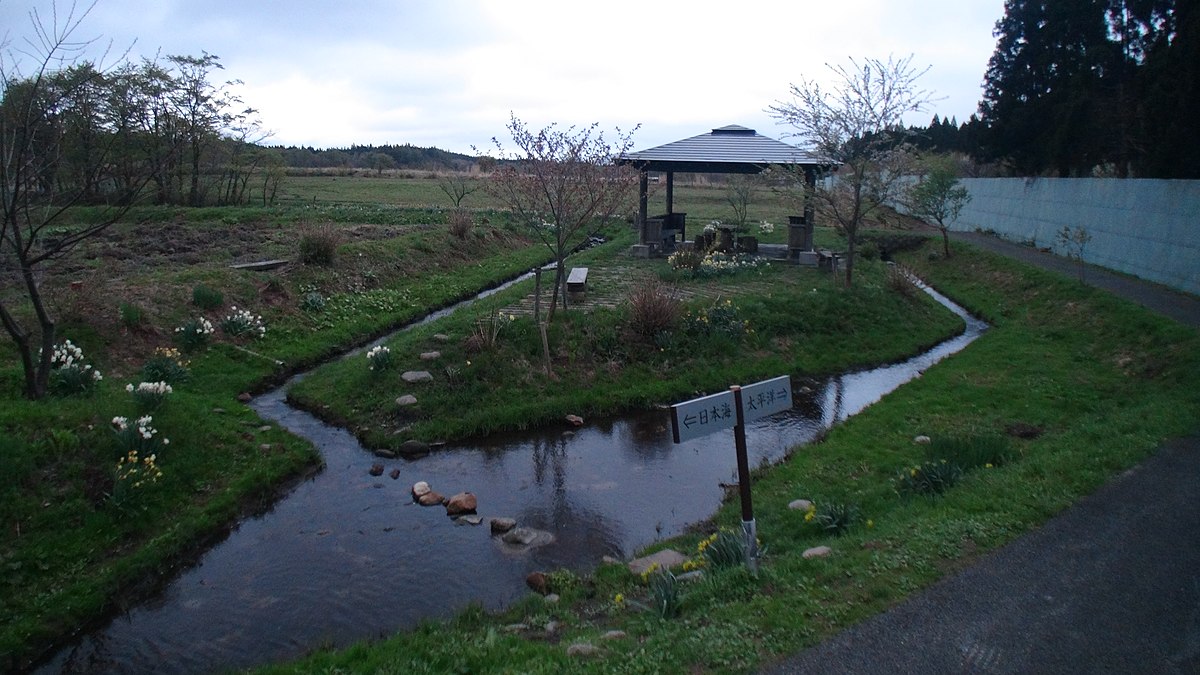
[{"x": 946, "y": 241}]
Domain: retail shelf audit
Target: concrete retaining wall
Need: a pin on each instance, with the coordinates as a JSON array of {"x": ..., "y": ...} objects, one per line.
[{"x": 1147, "y": 228}]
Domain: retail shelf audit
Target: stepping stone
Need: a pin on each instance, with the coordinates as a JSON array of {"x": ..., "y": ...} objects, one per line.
[
  {"x": 666, "y": 559},
  {"x": 406, "y": 400},
  {"x": 412, "y": 376},
  {"x": 429, "y": 356}
]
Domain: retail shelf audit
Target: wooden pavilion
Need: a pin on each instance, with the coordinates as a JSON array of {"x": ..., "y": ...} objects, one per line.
[{"x": 730, "y": 149}]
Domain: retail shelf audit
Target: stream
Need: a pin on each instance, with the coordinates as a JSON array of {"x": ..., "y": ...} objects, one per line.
[{"x": 345, "y": 556}]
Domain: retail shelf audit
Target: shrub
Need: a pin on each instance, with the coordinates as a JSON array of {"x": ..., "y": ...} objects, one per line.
[
  {"x": 899, "y": 280},
  {"x": 131, "y": 315},
  {"x": 207, "y": 298},
  {"x": 834, "y": 517},
  {"x": 461, "y": 223},
  {"x": 312, "y": 301},
  {"x": 973, "y": 452},
  {"x": 193, "y": 335},
  {"x": 931, "y": 478},
  {"x": 165, "y": 365},
  {"x": 720, "y": 319},
  {"x": 318, "y": 245},
  {"x": 653, "y": 309}
]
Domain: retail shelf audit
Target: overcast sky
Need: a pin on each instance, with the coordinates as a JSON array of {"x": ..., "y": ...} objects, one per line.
[{"x": 447, "y": 73}]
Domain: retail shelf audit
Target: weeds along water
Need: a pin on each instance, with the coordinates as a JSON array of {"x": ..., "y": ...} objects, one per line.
[{"x": 355, "y": 551}]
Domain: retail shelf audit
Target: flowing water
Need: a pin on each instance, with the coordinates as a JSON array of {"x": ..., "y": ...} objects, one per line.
[{"x": 345, "y": 556}]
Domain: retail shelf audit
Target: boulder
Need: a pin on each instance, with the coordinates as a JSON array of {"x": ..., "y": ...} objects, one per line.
[
  {"x": 430, "y": 498},
  {"x": 538, "y": 582},
  {"x": 502, "y": 525},
  {"x": 800, "y": 505},
  {"x": 817, "y": 552},
  {"x": 430, "y": 356},
  {"x": 666, "y": 559},
  {"x": 420, "y": 488},
  {"x": 376, "y": 470},
  {"x": 574, "y": 420},
  {"x": 463, "y": 502},
  {"x": 583, "y": 649},
  {"x": 414, "y": 376},
  {"x": 406, "y": 400}
]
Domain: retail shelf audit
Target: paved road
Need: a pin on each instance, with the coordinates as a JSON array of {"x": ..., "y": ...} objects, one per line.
[{"x": 1111, "y": 585}]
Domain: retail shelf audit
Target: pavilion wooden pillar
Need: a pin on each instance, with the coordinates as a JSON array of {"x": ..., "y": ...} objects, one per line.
[
  {"x": 810, "y": 211},
  {"x": 643, "y": 188},
  {"x": 670, "y": 192}
]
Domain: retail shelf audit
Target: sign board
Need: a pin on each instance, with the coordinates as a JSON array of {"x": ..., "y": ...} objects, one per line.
[
  {"x": 766, "y": 398},
  {"x": 702, "y": 416},
  {"x": 709, "y": 414}
]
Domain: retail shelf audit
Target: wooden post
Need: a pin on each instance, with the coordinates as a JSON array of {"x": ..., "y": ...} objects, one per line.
[
  {"x": 537, "y": 295},
  {"x": 670, "y": 192},
  {"x": 749, "y": 528},
  {"x": 810, "y": 211}
]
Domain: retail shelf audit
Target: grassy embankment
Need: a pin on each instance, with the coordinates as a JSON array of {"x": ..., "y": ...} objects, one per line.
[
  {"x": 1104, "y": 381},
  {"x": 735, "y": 328},
  {"x": 68, "y": 552}
]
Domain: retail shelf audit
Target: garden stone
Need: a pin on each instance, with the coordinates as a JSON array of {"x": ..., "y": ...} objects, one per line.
[
  {"x": 244, "y": 397},
  {"x": 376, "y": 470},
  {"x": 468, "y": 520},
  {"x": 515, "y": 627},
  {"x": 582, "y": 649},
  {"x": 430, "y": 356},
  {"x": 526, "y": 537},
  {"x": 694, "y": 575},
  {"x": 461, "y": 503},
  {"x": 414, "y": 376},
  {"x": 538, "y": 583},
  {"x": 218, "y": 411},
  {"x": 922, "y": 440},
  {"x": 430, "y": 498},
  {"x": 441, "y": 337},
  {"x": 264, "y": 447},
  {"x": 817, "y": 552},
  {"x": 413, "y": 448},
  {"x": 574, "y": 420},
  {"x": 609, "y": 560},
  {"x": 666, "y": 559},
  {"x": 395, "y": 474},
  {"x": 420, "y": 488},
  {"x": 265, "y": 427},
  {"x": 613, "y": 635},
  {"x": 800, "y": 505},
  {"x": 405, "y": 401},
  {"x": 384, "y": 453},
  {"x": 552, "y": 626},
  {"x": 551, "y": 597},
  {"x": 502, "y": 525}
]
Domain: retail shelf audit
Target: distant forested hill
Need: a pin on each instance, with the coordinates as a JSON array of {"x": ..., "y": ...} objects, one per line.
[{"x": 376, "y": 157}]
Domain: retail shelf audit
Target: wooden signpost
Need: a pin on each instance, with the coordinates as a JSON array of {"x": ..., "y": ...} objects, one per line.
[{"x": 733, "y": 409}]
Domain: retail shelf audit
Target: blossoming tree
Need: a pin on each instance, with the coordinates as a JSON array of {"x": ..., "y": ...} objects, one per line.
[{"x": 564, "y": 184}]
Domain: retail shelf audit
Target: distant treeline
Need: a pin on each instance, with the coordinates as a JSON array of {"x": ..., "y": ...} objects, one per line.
[{"x": 378, "y": 158}]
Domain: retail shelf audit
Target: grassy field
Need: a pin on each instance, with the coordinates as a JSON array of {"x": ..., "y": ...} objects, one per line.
[{"x": 1069, "y": 387}]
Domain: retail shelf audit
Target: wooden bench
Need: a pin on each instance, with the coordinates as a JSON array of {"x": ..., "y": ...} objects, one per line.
[{"x": 577, "y": 280}]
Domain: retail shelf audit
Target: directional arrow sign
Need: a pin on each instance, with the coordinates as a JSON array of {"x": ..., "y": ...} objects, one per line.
[
  {"x": 702, "y": 416},
  {"x": 766, "y": 398}
]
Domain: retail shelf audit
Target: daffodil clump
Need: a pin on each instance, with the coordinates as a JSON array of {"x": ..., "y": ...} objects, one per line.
[
  {"x": 717, "y": 263},
  {"x": 379, "y": 359},
  {"x": 138, "y": 435},
  {"x": 243, "y": 322},
  {"x": 69, "y": 374},
  {"x": 722, "y": 318},
  {"x": 165, "y": 365},
  {"x": 149, "y": 395},
  {"x": 194, "y": 334}
]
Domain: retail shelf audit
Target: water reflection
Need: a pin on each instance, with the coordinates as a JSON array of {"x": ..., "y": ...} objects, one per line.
[{"x": 346, "y": 556}]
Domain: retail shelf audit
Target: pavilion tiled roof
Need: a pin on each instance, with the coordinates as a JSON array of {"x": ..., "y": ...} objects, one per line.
[{"x": 729, "y": 149}]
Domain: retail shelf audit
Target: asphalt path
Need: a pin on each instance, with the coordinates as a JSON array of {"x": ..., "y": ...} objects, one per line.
[{"x": 1111, "y": 585}]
